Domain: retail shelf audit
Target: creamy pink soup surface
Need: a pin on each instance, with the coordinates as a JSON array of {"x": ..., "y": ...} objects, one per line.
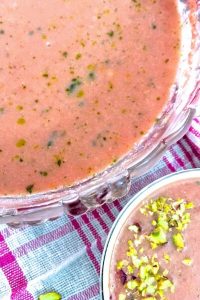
[
  {"x": 80, "y": 83},
  {"x": 185, "y": 278}
]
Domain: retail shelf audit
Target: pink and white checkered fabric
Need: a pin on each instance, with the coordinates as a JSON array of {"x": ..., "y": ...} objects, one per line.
[{"x": 65, "y": 255}]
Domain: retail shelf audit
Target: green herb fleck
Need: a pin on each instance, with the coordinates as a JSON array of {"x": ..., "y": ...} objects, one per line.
[
  {"x": 78, "y": 56},
  {"x": 21, "y": 121},
  {"x": 19, "y": 107},
  {"x": 45, "y": 75},
  {"x": 29, "y": 188},
  {"x": 80, "y": 94},
  {"x": 92, "y": 75},
  {"x": 73, "y": 86},
  {"x": 43, "y": 173},
  {"x": 21, "y": 143},
  {"x": 110, "y": 33},
  {"x": 65, "y": 54},
  {"x": 2, "y": 110},
  {"x": 49, "y": 144},
  {"x": 153, "y": 26},
  {"x": 59, "y": 161}
]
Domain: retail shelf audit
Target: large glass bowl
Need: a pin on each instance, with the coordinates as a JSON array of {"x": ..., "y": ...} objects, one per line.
[{"x": 114, "y": 182}]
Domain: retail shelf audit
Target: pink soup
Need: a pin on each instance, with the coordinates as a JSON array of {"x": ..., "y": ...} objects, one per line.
[{"x": 80, "y": 83}]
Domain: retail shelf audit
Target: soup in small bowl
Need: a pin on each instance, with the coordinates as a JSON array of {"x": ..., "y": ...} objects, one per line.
[{"x": 152, "y": 251}]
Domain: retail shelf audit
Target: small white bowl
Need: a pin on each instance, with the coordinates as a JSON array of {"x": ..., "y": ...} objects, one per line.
[{"x": 144, "y": 194}]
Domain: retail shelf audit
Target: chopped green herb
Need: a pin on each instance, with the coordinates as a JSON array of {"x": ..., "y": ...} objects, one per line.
[
  {"x": 20, "y": 143},
  {"x": 43, "y": 173},
  {"x": 78, "y": 56},
  {"x": 65, "y": 54},
  {"x": 75, "y": 83},
  {"x": 153, "y": 26},
  {"x": 158, "y": 236},
  {"x": 58, "y": 160},
  {"x": 46, "y": 75},
  {"x": 29, "y": 188},
  {"x": 2, "y": 110},
  {"x": 80, "y": 94},
  {"x": 92, "y": 75},
  {"x": 49, "y": 144},
  {"x": 21, "y": 121},
  {"x": 110, "y": 33}
]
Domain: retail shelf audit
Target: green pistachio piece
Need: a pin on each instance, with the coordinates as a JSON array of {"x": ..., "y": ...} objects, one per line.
[
  {"x": 178, "y": 241},
  {"x": 167, "y": 258},
  {"x": 136, "y": 261},
  {"x": 158, "y": 236},
  {"x": 144, "y": 271},
  {"x": 134, "y": 228},
  {"x": 122, "y": 297},
  {"x": 121, "y": 264},
  {"x": 162, "y": 222},
  {"x": 132, "y": 285},
  {"x": 189, "y": 205},
  {"x": 130, "y": 269},
  {"x": 150, "y": 290},
  {"x": 166, "y": 284},
  {"x": 165, "y": 272},
  {"x": 50, "y": 296},
  {"x": 187, "y": 262},
  {"x": 132, "y": 251}
]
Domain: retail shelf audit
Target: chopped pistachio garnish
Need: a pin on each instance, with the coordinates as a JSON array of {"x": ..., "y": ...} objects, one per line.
[
  {"x": 169, "y": 215},
  {"x": 178, "y": 241},
  {"x": 187, "y": 262},
  {"x": 50, "y": 296},
  {"x": 145, "y": 276}
]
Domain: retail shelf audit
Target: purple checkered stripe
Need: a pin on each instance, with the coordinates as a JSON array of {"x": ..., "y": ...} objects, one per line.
[{"x": 65, "y": 255}]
